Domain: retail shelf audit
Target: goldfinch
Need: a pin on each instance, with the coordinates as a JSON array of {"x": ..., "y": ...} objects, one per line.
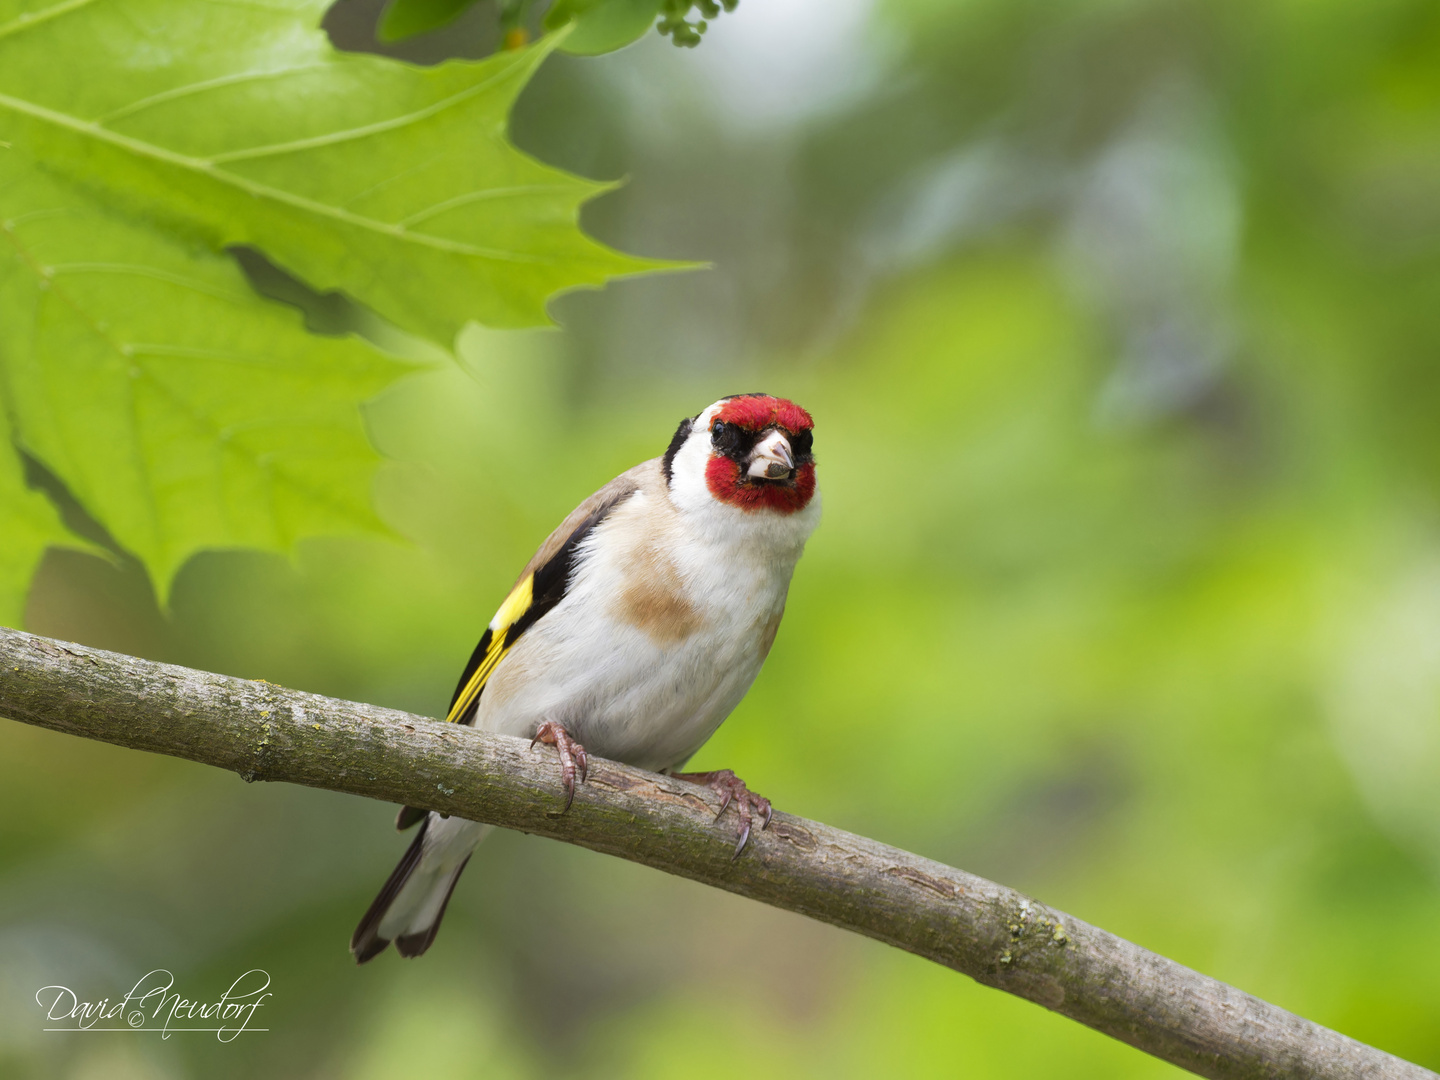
[{"x": 633, "y": 632}]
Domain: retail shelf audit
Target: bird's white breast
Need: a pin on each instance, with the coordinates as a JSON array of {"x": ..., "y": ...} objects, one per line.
[{"x": 666, "y": 623}]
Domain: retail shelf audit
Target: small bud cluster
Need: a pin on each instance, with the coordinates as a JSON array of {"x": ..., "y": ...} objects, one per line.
[{"x": 674, "y": 19}]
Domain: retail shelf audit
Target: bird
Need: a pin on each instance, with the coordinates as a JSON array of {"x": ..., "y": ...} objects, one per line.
[{"x": 633, "y": 632}]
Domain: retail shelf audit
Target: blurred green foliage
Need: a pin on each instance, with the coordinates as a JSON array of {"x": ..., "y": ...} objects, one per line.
[{"x": 1119, "y": 322}]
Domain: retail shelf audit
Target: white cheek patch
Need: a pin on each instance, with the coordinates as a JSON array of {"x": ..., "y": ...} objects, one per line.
[
  {"x": 687, "y": 478},
  {"x": 688, "y": 489}
]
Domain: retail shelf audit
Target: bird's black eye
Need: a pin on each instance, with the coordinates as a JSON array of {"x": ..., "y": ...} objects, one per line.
[
  {"x": 726, "y": 438},
  {"x": 802, "y": 442}
]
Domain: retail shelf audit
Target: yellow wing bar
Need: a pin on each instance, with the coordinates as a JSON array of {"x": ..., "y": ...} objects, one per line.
[{"x": 515, "y": 606}]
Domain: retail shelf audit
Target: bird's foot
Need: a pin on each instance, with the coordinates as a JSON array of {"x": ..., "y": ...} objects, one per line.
[
  {"x": 572, "y": 757},
  {"x": 733, "y": 790}
]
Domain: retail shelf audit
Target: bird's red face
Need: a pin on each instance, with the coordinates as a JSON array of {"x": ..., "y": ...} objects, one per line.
[{"x": 761, "y": 454}]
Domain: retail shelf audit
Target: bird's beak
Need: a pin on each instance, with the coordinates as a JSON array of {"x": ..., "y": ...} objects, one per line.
[{"x": 771, "y": 459}]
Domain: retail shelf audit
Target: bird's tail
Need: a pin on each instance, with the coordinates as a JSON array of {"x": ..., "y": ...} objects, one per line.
[{"x": 412, "y": 902}]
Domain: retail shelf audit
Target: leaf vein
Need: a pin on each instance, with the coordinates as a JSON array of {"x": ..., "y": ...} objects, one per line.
[
  {"x": 155, "y": 348},
  {"x": 180, "y": 92},
  {"x": 193, "y": 284},
  {"x": 480, "y": 196},
  {"x": 29, "y": 19},
  {"x": 201, "y": 167},
  {"x": 331, "y": 138}
]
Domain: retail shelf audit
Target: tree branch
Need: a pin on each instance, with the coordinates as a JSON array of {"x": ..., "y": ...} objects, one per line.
[{"x": 991, "y": 933}]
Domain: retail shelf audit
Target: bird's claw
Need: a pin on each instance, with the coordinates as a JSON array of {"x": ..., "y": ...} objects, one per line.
[
  {"x": 572, "y": 757},
  {"x": 733, "y": 790}
]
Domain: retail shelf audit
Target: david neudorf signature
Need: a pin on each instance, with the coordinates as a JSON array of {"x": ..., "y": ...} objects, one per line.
[{"x": 153, "y": 1004}]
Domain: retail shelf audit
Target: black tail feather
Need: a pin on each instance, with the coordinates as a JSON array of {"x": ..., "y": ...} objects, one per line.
[
  {"x": 409, "y": 945},
  {"x": 366, "y": 943}
]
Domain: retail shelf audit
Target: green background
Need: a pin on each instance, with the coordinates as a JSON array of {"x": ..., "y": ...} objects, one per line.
[{"x": 1120, "y": 322}]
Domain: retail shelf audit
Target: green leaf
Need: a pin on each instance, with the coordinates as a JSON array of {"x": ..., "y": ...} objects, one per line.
[
  {"x": 239, "y": 124},
  {"x": 402, "y": 19},
  {"x": 601, "y": 26},
  {"x": 181, "y": 409},
  {"x": 30, "y": 524}
]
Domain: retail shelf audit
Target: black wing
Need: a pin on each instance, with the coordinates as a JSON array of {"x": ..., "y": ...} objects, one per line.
[{"x": 536, "y": 593}]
